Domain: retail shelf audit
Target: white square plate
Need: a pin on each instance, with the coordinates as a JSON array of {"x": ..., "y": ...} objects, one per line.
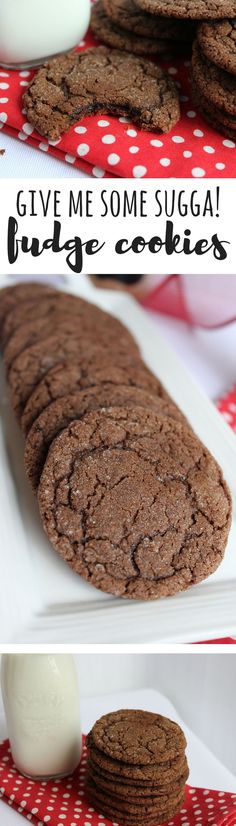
[{"x": 41, "y": 599}]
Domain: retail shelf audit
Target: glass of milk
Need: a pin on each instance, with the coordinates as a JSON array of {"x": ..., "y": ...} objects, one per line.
[
  {"x": 41, "y": 701},
  {"x": 31, "y": 31}
]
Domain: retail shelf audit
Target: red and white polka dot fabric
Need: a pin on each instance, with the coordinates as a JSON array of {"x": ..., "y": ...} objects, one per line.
[
  {"x": 63, "y": 802},
  {"x": 106, "y": 146}
]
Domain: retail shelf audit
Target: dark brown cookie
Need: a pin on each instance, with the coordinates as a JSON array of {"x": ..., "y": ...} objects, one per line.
[
  {"x": 113, "y": 35},
  {"x": 91, "y": 370},
  {"x": 114, "y": 814},
  {"x": 193, "y": 9},
  {"x": 60, "y": 413},
  {"x": 217, "y": 40},
  {"x": 34, "y": 362},
  {"x": 215, "y": 84},
  {"x": 217, "y": 118},
  {"x": 131, "y": 791},
  {"x": 138, "y": 809},
  {"x": 83, "y": 321},
  {"x": 129, "y": 499},
  {"x": 100, "y": 80},
  {"x": 127, "y": 15},
  {"x": 138, "y": 737},
  {"x": 139, "y": 776},
  {"x": 25, "y": 291}
]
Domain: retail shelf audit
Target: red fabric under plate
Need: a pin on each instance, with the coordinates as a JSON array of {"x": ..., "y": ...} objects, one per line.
[
  {"x": 106, "y": 146},
  {"x": 63, "y": 802}
]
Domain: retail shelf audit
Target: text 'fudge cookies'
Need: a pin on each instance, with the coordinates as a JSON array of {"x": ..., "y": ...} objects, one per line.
[
  {"x": 136, "y": 741},
  {"x": 100, "y": 80},
  {"x": 126, "y": 495}
]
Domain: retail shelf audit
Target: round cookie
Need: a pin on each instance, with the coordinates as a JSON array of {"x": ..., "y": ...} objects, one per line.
[
  {"x": 136, "y": 737},
  {"x": 125, "y": 13},
  {"x": 190, "y": 9},
  {"x": 215, "y": 84},
  {"x": 218, "y": 119},
  {"x": 103, "y": 80},
  {"x": 99, "y": 326},
  {"x": 113, "y": 35},
  {"x": 84, "y": 373},
  {"x": 217, "y": 41},
  {"x": 124, "y": 497},
  {"x": 132, "y": 792},
  {"x": 34, "y": 362},
  {"x": 60, "y": 413},
  {"x": 140, "y": 776},
  {"x": 26, "y": 290}
]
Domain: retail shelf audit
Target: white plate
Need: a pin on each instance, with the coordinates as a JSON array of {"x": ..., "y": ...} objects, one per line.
[{"x": 49, "y": 603}]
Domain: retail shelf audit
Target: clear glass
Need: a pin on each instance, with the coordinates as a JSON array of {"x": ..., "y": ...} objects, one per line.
[{"x": 32, "y": 31}]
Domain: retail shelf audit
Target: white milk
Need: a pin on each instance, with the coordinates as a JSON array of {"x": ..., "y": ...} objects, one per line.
[
  {"x": 33, "y": 30},
  {"x": 41, "y": 701}
]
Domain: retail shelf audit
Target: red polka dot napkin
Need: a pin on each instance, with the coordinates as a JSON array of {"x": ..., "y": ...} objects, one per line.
[
  {"x": 107, "y": 146},
  {"x": 64, "y": 801}
]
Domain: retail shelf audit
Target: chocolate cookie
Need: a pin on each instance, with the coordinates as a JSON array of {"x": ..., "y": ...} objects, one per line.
[
  {"x": 113, "y": 813},
  {"x": 100, "y": 80},
  {"x": 99, "y": 326},
  {"x": 126, "y": 13},
  {"x": 217, "y": 41},
  {"x": 60, "y": 413},
  {"x": 193, "y": 9},
  {"x": 130, "y": 499},
  {"x": 138, "y": 809},
  {"x": 131, "y": 791},
  {"x": 91, "y": 370},
  {"x": 113, "y": 35},
  {"x": 136, "y": 737},
  {"x": 140, "y": 776},
  {"x": 11, "y": 296},
  {"x": 217, "y": 118},
  {"x": 215, "y": 84},
  {"x": 34, "y": 362}
]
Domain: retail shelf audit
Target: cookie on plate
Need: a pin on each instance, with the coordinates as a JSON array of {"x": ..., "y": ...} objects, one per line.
[
  {"x": 124, "y": 497},
  {"x": 100, "y": 80},
  {"x": 217, "y": 40},
  {"x": 89, "y": 371},
  {"x": 25, "y": 291},
  {"x": 60, "y": 413}
]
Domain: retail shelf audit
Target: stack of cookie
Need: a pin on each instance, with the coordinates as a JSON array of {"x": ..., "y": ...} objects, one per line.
[
  {"x": 128, "y": 495},
  {"x": 122, "y": 25},
  {"x": 137, "y": 767},
  {"x": 214, "y": 74}
]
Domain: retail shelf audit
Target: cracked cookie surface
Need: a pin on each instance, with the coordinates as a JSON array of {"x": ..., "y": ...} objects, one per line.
[
  {"x": 140, "y": 776},
  {"x": 132, "y": 736},
  {"x": 60, "y": 413},
  {"x": 217, "y": 40},
  {"x": 193, "y": 9},
  {"x": 100, "y": 80},
  {"x": 134, "y": 503},
  {"x": 93, "y": 370}
]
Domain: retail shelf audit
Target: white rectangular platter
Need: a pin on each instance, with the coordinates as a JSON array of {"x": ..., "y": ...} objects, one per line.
[{"x": 41, "y": 599}]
